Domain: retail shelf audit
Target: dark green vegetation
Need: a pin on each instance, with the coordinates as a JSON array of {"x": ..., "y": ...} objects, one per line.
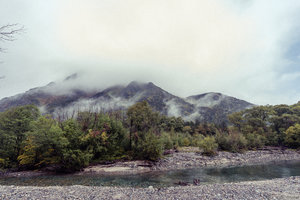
[
  {"x": 29, "y": 140},
  {"x": 269, "y": 125}
]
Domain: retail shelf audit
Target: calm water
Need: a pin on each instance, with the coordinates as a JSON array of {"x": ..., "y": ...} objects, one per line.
[{"x": 168, "y": 178}]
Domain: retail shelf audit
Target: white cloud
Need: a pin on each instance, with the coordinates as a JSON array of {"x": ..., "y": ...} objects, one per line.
[{"x": 187, "y": 47}]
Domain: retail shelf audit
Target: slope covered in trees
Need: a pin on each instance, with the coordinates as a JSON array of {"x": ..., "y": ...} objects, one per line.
[{"x": 29, "y": 140}]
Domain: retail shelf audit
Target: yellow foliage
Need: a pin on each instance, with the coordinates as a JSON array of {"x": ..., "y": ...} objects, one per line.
[
  {"x": 86, "y": 138},
  {"x": 29, "y": 154},
  {"x": 186, "y": 142},
  {"x": 104, "y": 136}
]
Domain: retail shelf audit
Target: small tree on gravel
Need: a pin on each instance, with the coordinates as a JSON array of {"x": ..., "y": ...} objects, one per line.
[{"x": 209, "y": 146}]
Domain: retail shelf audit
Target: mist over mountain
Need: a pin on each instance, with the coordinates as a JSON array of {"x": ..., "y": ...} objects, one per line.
[{"x": 65, "y": 97}]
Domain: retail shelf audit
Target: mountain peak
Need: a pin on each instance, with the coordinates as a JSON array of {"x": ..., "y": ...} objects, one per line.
[
  {"x": 134, "y": 86},
  {"x": 133, "y": 83},
  {"x": 137, "y": 83},
  {"x": 150, "y": 84},
  {"x": 208, "y": 107}
]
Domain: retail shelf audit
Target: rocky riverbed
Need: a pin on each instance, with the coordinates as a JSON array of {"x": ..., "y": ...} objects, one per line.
[
  {"x": 284, "y": 188},
  {"x": 281, "y": 189},
  {"x": 190, "y": 158},
  {"x": 185, "y": 158}
]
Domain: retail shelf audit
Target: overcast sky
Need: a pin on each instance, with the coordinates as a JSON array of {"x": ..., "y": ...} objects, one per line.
[{"x": 249, "y": 49}]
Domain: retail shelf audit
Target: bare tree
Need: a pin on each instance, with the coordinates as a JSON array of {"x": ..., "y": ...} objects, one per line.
[{"x": 8, "y": 32}]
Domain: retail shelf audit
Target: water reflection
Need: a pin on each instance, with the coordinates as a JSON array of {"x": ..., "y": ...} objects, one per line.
[{"x": 167, "y": 178}]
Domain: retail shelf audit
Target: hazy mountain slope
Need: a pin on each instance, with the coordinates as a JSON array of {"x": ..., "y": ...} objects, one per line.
[
  {"x": 134, "y": 92},
  {"x": 48, "y": 97},
  {"x": 209, "y": 107},
  {"x": 214, "y": 107}
]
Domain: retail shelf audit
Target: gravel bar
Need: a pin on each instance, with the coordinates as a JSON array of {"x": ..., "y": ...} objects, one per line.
[
  {"x": 189, "y": 160},
  {"x": 185, "y": 160},
  {"x": 281, "y": 189}
]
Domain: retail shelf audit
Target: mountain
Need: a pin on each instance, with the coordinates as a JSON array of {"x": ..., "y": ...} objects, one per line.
[
  {"x": 159, "y": 99},
  {"x": 61, "y": 97},
  {"x": 214, "y": 107},
  {"x": 44, "y": 98}
]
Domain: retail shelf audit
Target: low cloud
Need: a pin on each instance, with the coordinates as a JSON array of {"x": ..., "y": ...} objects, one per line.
[{"x": 187, "y": 47}]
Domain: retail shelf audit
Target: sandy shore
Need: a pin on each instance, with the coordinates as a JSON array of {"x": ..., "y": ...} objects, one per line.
[{"x": 281, "y": 189}]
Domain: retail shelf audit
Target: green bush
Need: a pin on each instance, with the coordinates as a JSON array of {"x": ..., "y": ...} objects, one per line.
[
  {"x": 74, "y": 160},
  {"x": 186, "y": 142},
  {"x": 233, "y": 142},
  {"x": 167, "y": 140},
  {"x": 196, "y": 139},
  {"x": 292, "y": 138},
  {"x": 255, "y": 140},
  {"x": 3, "y": 163},
  {"x": 183, "y": 139},
  {"x": 149, "y": 148},
  {"x": 209, "y": 146},
  {"x": 275, "y": 138}
]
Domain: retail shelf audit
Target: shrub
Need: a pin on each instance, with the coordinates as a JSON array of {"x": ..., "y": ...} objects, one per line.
[
  {"x": 292, "y": 138},
  {"x": 183, "y": 139},
  {"x": 209, "y": 146},
  {"x": 74, "y": 160},
  {"x": 255, "y": 140},
  {"x": 275, "y": 138},
  {"x": 2, "y": 163},
  {"x": 196, "y": 139},
  {"x": 233, "y": 142},
  {"x": 149, "y": 147},
  {"x": 186, "y": 142},
  {"x": 167, "y": 141}
]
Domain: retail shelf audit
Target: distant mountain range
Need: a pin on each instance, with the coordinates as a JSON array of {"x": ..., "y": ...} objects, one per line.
[{"x": 54, "y": 98}]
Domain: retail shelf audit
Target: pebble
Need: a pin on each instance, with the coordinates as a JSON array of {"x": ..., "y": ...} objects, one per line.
[
  {"x": 268, "y": 189},
  {"x": 184, "y": 160},
  {"x": 283, "y": 189}
]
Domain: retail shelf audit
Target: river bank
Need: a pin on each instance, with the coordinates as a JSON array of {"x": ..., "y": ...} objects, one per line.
[
  {"x": 281, "y": 189},
  {"x": 187, "y": 158}
]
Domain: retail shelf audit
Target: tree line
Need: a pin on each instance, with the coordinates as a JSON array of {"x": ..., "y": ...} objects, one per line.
[{"x": 29, "y": 140}]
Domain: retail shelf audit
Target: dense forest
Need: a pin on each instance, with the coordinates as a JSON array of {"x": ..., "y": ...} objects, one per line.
[{"x": 29, "y": 140}]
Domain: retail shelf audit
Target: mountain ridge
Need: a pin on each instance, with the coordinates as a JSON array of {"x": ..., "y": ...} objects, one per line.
[{"x": 207, "y": 107}]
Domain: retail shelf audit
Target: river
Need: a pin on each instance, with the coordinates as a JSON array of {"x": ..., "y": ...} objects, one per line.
[{"x": 165, "y": 178}]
